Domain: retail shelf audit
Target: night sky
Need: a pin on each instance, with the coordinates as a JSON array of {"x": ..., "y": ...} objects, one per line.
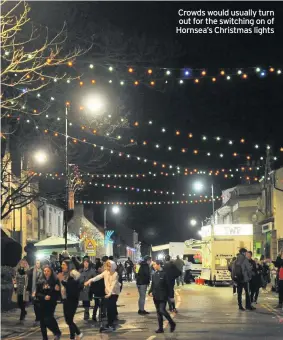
[{"x": 250, "y": 109}]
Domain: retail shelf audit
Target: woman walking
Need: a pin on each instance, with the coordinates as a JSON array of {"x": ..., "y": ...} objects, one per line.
[
  {"x": 86, "y": 273},
  {"x": 97, "y": 290},
  {"x": 21, "y": 295},
  {"x": 70, "y": 291},
  {"x": 48, "y": 293},
  {"x": 34, "y": 276},
  {"x": 112, "y": 290}
]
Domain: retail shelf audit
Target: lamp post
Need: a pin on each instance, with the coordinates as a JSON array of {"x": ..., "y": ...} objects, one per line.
[
  {"x": 115, "y": 210},
  {"x": 198, "y": 186},
  {"x": 94, "y": 104}
]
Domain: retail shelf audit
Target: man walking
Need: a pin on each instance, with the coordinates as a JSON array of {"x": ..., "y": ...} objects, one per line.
[
  {"x": 143, "y": 280},
  {"x": 172, "y": 272},
  {"x": 160, "y": 291},
  {"x": 242, "y": 274},
  {"x": 180, "y": 265}
]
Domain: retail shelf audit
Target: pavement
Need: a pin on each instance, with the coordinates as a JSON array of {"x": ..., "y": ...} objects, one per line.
[{"x": 203, "y": 313}]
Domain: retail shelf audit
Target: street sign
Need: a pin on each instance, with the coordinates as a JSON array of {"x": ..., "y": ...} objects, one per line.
[{"x": 90, "y": 247}]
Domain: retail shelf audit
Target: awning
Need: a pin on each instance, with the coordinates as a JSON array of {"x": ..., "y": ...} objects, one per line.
[
  {"x": 161, "y": 247},
  {"x": 55, "y": 241}
]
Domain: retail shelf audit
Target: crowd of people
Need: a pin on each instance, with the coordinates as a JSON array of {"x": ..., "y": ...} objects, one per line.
[
  {"x": 250, "y": 275},
  {"x": 69, "y": 280}
]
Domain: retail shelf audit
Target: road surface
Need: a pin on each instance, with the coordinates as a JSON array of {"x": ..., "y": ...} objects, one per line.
[{"x": 204, "y": 313}]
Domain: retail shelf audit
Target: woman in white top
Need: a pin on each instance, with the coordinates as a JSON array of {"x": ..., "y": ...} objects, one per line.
[{"x": 112, "y": 290}]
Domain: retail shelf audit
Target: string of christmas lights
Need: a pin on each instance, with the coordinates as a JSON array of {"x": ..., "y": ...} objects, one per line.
[
  {"x": 153, "y": 76},
  {"x": 144, "y": 190},
  {"x": 170, "y": 148},
  {"x": 146, "y": 203},
  {"x": 141, "y": 159}
]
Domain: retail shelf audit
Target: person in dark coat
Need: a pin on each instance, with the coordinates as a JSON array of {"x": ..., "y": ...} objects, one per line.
[
  {"x": 20, "y": 283},
  {"x": 129, "y": 266},
  {"x": 256, "y": 281},
  {"x": 86, "y": 273},
  {"x": 172, "y": 273},
  {"x": 97, "y": 290},
  {"x": 242, "y": 274},
  {"x": 160, "y": 291},
  {"x": 34, "y": 276},
  {"x": 97, "y": 263},
  {"x": 47, "y": 293},
  {"x": 143, "y": 280},
  {"x": 70, "y": 292}
]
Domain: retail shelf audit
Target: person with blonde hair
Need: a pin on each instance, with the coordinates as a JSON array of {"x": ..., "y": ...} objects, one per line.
[
  {"x": 112, "y": 290},
  {"x": 20, "y": 281}
]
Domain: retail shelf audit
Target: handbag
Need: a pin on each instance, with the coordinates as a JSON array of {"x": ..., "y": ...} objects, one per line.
[{"x": 14, "y": 296}]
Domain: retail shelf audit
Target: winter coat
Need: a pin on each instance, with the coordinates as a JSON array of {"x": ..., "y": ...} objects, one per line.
[
  {"x": 46, "y": 287},
  {"x": 179, "y": 264},
  {"x": 172, "y": 271},
  {"x": 279, "y": 262},
  {"x": 21, "y": 282},
  {"x": 97, "y": 289},
  {"x": 39, "y": 277},
  {"x": 160, "y": 286},
  {"x": 246, "y": 267},
  {"x": 129, "y": 266},
  {"x": 72, "y": 285},
  {"x": 85, "y": 276},
  {"x": 143, "y": 275},
  {"x": 111, "y": 280}
]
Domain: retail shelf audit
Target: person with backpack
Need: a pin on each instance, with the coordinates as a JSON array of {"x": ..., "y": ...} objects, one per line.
[
  {"x": 279, "y": 265},
  {"x": 242, "y": 275}
]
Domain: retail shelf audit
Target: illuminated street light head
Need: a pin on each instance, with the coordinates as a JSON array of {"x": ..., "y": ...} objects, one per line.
[
  {"x": 198, "y": 186},
  {"x": 40, "y": 157},
  {"x": 115, "y": 210},
  {"x": 94, "y": 103},
  {"x": 193, "y": 222}
]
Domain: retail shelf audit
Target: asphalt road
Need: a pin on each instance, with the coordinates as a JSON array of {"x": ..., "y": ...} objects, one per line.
[{"x": 204, "y": 313}]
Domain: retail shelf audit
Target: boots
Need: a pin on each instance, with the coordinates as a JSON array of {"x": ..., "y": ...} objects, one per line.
[{"x": 86, "y": 314}]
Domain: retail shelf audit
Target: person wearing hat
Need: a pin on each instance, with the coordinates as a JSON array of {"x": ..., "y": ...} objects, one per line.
[
  {"x": 242, "y": 275},
  {"x": 143, "y": 280}
]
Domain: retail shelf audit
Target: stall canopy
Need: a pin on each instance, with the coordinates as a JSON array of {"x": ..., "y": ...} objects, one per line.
[{"x": 55, "y": 241}]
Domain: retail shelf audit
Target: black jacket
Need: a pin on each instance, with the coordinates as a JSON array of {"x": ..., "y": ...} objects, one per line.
[
  {"x": 73, "y": 287},
  {"x": 160, "y": 286},
  {"x": 171, "y": 271},
  {"x": 279, "y": 262},
  {"x": 97, "y": 289},
  {"x": 47, "y": 287},
  {"x": 143, "y": 276}
]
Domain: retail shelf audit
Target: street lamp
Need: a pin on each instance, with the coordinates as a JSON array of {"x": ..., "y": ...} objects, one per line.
[
  {"x": 94, "y": 103},
  {"x": 40, "y": 157},
  {"x": 193, "y": 222},
  {"x": 115, "y": 210},
  {"x": 198, "y": 186}
]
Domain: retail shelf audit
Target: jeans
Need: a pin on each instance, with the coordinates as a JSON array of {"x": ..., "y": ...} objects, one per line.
[
  {"x": 280, "y": 291},
  {"x": 129, "y": 275},
  {"x": 254, "y": 290},
  {"x": 180, "y": 279},
  {"x": 142, "y": 294},
  {"x": 70, "y": 308},
  {"x": 234, "y": 288},
  {"x": 99, "y": 303},
  {"x": 161, "y": 311},
  {"x": 111, "y": 309},
  {"x": 47, "y": 320},
  {"x": 245, "y": 286}
]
